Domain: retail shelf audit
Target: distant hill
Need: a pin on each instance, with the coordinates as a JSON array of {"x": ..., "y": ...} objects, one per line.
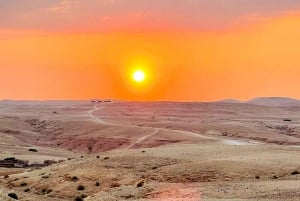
[
  {"x": 274, "y": 101},
  {"x": 230, "y": 101}
]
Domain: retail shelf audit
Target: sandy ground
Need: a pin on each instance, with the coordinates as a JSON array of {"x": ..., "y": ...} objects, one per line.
[{"x": 151, "y": 151}]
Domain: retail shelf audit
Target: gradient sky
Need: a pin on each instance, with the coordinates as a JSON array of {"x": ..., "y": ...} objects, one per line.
[{"x": 192, "y": 50}]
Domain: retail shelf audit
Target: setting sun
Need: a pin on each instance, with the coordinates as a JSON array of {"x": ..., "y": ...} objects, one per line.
[{"x": 138, "y": 76}]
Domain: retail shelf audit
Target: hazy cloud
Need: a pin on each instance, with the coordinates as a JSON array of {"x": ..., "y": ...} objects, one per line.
[{"x": 188, "y": 14}]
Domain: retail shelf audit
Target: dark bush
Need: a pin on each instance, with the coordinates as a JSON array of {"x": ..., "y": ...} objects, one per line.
[
  {"x": 275, "y": 177},
  {"x": 27, "y": 190},
  {"x": 140, "y": 184},
  {"x": 80, "y": 188},
  {"x": 106, "y": 158},
  {"x": 33, "y": 150},
  {"x": 6, "y": 176},
  {"x": 75, "y": 178},
  {"x": 257, "y": 177},
  {"x": 78, "y": 199},
  {"x": 97, "y": 184},
  {"x": 23, "y": 184},
  {"x": 13, "y": 196},
  {"x": 97, "y": 156},
  {"x": 296, "y": 172},
  {"x": 83, "y": 195}
]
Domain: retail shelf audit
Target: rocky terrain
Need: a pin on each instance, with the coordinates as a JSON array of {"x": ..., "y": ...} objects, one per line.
[{"x": 116, "y": 150}]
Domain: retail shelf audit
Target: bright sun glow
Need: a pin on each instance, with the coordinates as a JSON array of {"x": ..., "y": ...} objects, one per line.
[{"x": 138, "y": 76}]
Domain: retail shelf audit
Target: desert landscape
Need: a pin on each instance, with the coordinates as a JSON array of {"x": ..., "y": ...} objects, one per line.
[{"x": 106, "y": 150}]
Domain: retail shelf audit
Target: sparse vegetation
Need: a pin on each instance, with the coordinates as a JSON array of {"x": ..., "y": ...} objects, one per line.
[
  {"x": 27, "y": 190},
  {"x": 78, "y": 199},
  {"x": 106, "y": 158},
  {"x": 33, "y": 150},
  {"x": 97, "y": 156},
  {"x": 257, "y": 177},
  {"x": 80, "y": 188},
  {"x": 23, "y": 184},
  {"x": 6, "y": 176},
  {"x": 296, "y": 172},
  {"x": 13, "y": 196},
  {"x": 140, "y": 184},
  {"x": 90, "y": 148},
  {"x": 74, "y": 178},
  {"x": 97, "y": 184}
]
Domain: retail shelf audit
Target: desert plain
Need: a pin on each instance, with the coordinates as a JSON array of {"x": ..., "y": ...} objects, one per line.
[{"x": 118, "y": 150}]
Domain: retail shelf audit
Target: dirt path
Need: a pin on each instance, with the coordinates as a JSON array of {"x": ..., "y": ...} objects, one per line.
[
  {"x": 97, "y": 119},
  {"x": 143, "y": 138},
  {"x": 232, "y": 142}
]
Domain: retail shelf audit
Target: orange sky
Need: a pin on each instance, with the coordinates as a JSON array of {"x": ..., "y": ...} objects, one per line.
[{"x": 241, "y": 61}]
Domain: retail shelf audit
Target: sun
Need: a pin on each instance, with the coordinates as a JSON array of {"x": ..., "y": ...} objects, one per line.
[{"x": 138, "y": 76}]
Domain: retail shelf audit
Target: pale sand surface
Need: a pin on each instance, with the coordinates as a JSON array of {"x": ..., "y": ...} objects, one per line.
[{"x": 176, "y": 151}]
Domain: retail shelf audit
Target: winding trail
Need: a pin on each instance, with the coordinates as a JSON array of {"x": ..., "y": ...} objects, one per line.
[
  {"x": 143, "y": 138},
  {"x": 156, "y": 130},
  {"x": 96, "y": 118}
]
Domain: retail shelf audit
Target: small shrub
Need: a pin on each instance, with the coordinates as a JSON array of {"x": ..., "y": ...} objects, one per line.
[
  {"x": 6, "y": 176},
  {"x": 154, "y": 168},
  {"x": 13, "y": 196},
  {"x": 97, "y": 156},
  {"x": 275, "y": 177},
  {"x": 33, "y": 150},
  {"x": 75, "y": 178},
  {"x": 106, "y": 158},
  {"x": 80, "y": 188},
  {"x": 23, "y": 184},
  {"x": 78, "y": 199},
  {"x": 296, "y": 172},
  {"x": 27, "y": 190},
  {"x": 97, "y": 184},
  {"x": 83, "y": 195},
  {"x": 140, "y": 184},
  {"x": 45, "y": 177},
  {"x": 257, "y": 177}
]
